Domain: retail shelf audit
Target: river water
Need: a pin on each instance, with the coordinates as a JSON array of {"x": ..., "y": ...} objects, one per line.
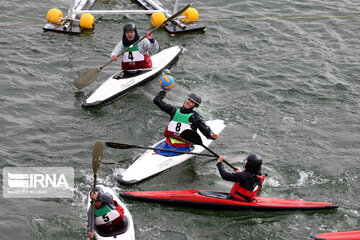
[{"x": 284, "y": 75}]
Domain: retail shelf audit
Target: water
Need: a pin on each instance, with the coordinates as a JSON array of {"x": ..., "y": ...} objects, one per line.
[{"x": 283, "y": 75}]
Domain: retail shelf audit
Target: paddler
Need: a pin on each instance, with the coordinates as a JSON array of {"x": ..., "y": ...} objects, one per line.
[
  {"x": 182, "y": 118},
  {"x": 137, "y": 56},
  {"x": 108, "y": 213},
  {"x": 247, "y": 183}
]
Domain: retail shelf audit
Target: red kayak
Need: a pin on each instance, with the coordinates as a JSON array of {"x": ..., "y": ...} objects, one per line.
[
  {"x": 351, "y": 235},
  {"x": 220, "y": 201}
]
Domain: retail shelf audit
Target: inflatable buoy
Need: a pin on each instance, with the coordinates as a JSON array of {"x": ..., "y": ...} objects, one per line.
[
  {"x": 54, "y": 15},
  {"x": 87, "y": 21},
  {"x": 157, "y": 18},
  {"x": 167, "y": 82},
  {"x": 190, "y": 15}
]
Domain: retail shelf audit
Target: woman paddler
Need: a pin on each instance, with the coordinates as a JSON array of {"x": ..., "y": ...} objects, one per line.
[
  {"x": 182, "y": 118},
  {"x": 247, "y": 183},
  {"x": 108, "y": 213},
  {"x": 137, "y": 56}
]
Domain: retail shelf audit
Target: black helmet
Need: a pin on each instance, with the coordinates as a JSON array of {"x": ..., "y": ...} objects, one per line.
[
  {"x": 195, "y": 98},
  {"x": 129, "y": 27},
  {"x": 253, "y": 164}
]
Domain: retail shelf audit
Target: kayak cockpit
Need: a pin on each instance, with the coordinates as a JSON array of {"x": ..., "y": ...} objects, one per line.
[
  {"x": 131, "y": 73},
  {"x": 214, "y": 194}
]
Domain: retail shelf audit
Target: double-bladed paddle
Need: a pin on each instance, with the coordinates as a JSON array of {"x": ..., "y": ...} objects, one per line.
[
  {"x": 194, "y": 138},
  {"x": 127, "y": 146},
  {"x": 91, "y": 74},
  {"x": 96, "y": 161}
]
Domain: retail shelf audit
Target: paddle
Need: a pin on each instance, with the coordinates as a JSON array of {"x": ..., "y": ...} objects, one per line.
[
  {"x": 91, "y": 74},
  {"x": 127, "y": 146},
  {"x": 194, "y": 138},
  {"x": 96, "y": 161}
]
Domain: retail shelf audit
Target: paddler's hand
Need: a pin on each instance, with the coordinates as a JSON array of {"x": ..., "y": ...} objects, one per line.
[
  {"x": 90, "y": 235},
  {"x": 221, "y": 158},
  {"x": 149, "y": 35},
  {"x": 114, "y": 57},
  {"x": 93, "y": 195},
  {"x": 215, "y": 136}
]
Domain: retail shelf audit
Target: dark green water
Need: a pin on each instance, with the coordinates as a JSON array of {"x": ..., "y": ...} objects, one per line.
[{"x": 287, "y": 86}]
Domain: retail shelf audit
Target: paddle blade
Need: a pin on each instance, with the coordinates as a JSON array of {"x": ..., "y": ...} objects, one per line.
[
  {"x": 191, "y": 136},
  {"x": 118, "y": 145},
  {"x": 97, "y": 156},
  {"x": 87, "y": 78}
]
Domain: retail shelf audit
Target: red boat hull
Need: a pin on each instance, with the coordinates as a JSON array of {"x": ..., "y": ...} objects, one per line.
[
  {"x": 351, "y": 235},
  {"x": 220, "y": 201}
]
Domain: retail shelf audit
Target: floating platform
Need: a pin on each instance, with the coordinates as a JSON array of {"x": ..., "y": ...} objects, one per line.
[
  {"x": 72, "y": 22},
  {"x": 175, "y": 27}
]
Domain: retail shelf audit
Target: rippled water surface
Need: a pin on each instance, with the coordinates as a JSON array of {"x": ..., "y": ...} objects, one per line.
[{"x": 284, "y": 75}]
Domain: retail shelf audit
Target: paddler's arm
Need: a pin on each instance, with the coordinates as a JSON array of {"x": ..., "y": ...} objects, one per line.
[
  {"x": 107, "y": 198},
  {"x": 199, "y": 123},
  {"x": 151, "y": 45},
  {"x": 158, "y": 100},
  {"x": 117, "y": 50},
  {"x": 233, "y": 177},
  {"x": 89, "y": 221}
]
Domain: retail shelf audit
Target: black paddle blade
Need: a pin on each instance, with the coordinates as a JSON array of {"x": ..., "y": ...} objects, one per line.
[
  {"x": 191, "y": 136},
  {"x": 118, "y": 145},
  {"x": 87, "y": 78},
  {"x": 97, "y": 156}
]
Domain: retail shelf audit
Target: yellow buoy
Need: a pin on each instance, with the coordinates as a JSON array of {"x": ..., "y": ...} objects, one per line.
[
  {"x": 157, "y": 18},
  {"x": 87, "y": 21},
  {"x": 190, "y": 15},
  {"x": 54, "y": 15}
]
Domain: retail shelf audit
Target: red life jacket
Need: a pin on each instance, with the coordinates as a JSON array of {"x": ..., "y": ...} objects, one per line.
[
  {"x": 243, "y": 194},
  {"x": 146, "y": 63}
]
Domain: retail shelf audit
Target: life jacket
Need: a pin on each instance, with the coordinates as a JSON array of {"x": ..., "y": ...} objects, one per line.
[
  {"x": 242, "y": 194},
  {"x": 107, "y": 217},
  {"x": 177, "y": 125},
  {"x": 134, "y": 59}
]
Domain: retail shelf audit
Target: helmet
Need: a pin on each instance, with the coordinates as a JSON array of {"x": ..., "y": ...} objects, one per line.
[
  {"x": 195, "y": 98},
  {"x": 253, "y": 163},
  {"x": 129, "y": 27}
]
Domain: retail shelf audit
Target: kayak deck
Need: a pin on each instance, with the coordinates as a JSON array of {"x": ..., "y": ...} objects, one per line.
[{"x": 220, "y": 200}]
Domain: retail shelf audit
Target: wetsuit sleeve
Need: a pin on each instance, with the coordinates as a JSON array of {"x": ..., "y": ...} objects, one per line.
[
  {"x": 118, "y": 49},
  {"x": 107, "y": 198},
  {"x": 200, "y": 124},
  {"x": 158, "y": 100},
  {"x": 233, "y": 177},
  {"x": 89, "y": 220},
  {"x": 150, "y": 47}
]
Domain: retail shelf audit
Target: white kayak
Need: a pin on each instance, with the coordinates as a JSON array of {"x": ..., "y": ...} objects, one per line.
[
  {"x": 151, "y": 163},
  {"x": 121, "y": 82},
  {"x": 125, "y": 229}
]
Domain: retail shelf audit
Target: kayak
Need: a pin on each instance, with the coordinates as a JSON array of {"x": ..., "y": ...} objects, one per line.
[
  {"x": 350, "y": 235},
  {"x": 125, "y": 230},
  {"x": 220, "y": 201},
  {"x": 151, "y": 163},
  {"x": 123, "y": 81}
]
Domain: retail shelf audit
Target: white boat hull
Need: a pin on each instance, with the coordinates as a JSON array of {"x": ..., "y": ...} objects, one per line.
[
  {"x": 130, "y": 232},
  {"x": 152, "y": 163},
  {"x": 113, "y": 88}
]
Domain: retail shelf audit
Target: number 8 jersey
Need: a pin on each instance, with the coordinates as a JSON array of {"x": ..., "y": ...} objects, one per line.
[{"x": 177, "y": 125}]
